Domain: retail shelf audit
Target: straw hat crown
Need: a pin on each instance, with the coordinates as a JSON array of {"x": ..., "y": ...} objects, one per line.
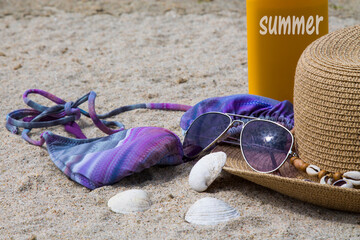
[{"x": 327, "y": 102}]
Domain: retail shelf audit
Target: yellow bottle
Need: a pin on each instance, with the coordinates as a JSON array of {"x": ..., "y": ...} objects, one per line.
[{"x": 277, "y": 33}]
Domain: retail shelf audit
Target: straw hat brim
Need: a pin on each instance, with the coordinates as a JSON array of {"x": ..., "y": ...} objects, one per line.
[{"x": 290, "y": 182}]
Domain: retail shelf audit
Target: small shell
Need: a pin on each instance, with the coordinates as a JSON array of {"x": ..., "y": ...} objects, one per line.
[
  {"x": 343, "y": 183},
  {"x": 206, "y": 170},
  {"x": 210, "y": 211},
  {"x": 353, "y": 177},
  {"x": 312, "y": 170},
  {"x": 326, "y": 180},
  {"x": 130, "y": 201}
]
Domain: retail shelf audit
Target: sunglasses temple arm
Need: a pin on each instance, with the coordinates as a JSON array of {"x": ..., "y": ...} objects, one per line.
[
  {"x": 292, "y": 154},
  {"x": 273, "y": 159},
  {"x": 235, "y": 142},
  {"x": 241, "y": 116},
  {"x": 232, "y": 138}
]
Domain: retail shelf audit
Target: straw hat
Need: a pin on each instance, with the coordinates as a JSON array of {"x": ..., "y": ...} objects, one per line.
[
  {"x": 327, "y": 123},
  {"x": 327, "y": 102}
]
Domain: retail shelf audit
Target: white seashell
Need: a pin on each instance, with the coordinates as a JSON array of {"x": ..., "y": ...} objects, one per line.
[
  {"x": 343, "y": 183},
  {"x": 130, "y": 201},
  {"x": 206, "y": 170},
  {"x": 353, "y": 177},
  {"x": 326, "y": 180},
  {"x": 210, "y": 211},
  {"x": 312, "y": 170}
]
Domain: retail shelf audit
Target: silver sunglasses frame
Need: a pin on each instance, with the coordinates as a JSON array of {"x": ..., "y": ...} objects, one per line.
[{"x": 243, "y": 124}]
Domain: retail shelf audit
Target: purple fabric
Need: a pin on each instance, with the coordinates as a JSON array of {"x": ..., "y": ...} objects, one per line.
[
  {"x": 242, "y": 104},
  {"x": 66, "y": 113},
  {"x": 100, "y": 161},
  {"x": 74, "y": 128},
  {"x": 168, "y": 106},
  {"x": 98, "y": 123},
  {"x": 103, "y": 161}
]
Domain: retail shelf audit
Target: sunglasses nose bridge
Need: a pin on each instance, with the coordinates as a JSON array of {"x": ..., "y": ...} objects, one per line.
[{"x": 237, "y": 121}]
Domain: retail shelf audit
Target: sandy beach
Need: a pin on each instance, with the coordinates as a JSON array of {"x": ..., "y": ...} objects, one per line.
[{"x": 136, "y": 52}]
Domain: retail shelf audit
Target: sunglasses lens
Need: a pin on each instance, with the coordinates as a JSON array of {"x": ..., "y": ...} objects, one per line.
[
  {"x": 265, "y": 145},
  {"x": 204, "y": 130}
]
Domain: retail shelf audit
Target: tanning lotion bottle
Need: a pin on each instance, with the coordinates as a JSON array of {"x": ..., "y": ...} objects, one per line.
[{"x": 278, "y": 31}]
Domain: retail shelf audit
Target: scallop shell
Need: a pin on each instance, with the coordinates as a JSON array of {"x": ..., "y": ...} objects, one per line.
[
  {"x": 312, "y": 170},
  {"x": 210, "y": 211},
  {"x": 130, "y": 201},
  {"x": 206, "y": 170},
  {"x": 353, "y": 177}
]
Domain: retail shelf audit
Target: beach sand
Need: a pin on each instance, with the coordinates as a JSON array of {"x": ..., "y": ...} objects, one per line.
[{"x": 135, "y": 52}]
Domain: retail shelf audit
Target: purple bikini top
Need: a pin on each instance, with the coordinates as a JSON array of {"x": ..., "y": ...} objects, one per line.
[
  {"x": 103, "y": 161},
  {"x": 99, "y": 161}
]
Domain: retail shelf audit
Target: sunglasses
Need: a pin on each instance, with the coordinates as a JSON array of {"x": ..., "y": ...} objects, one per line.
[{"x": 265, "y": 145}]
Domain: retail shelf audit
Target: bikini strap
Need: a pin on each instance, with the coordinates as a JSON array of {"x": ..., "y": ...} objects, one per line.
[{"x": 67, "y": 113}]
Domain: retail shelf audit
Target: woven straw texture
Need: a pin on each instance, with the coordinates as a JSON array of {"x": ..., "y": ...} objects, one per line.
[
  {"x": 291, "y": 182},
  {"x": 327, "y": 102}
]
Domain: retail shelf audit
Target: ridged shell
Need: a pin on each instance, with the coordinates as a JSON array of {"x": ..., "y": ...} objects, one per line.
[
  {"x": 353, "y": 177},
  {"x": 210, "y": 211},
  {"x": 130, "y": 201},
  {"x": 206, "y": 170},
  {"x": 343, "y": 183},
  {"x": 312, "y": 170}
]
